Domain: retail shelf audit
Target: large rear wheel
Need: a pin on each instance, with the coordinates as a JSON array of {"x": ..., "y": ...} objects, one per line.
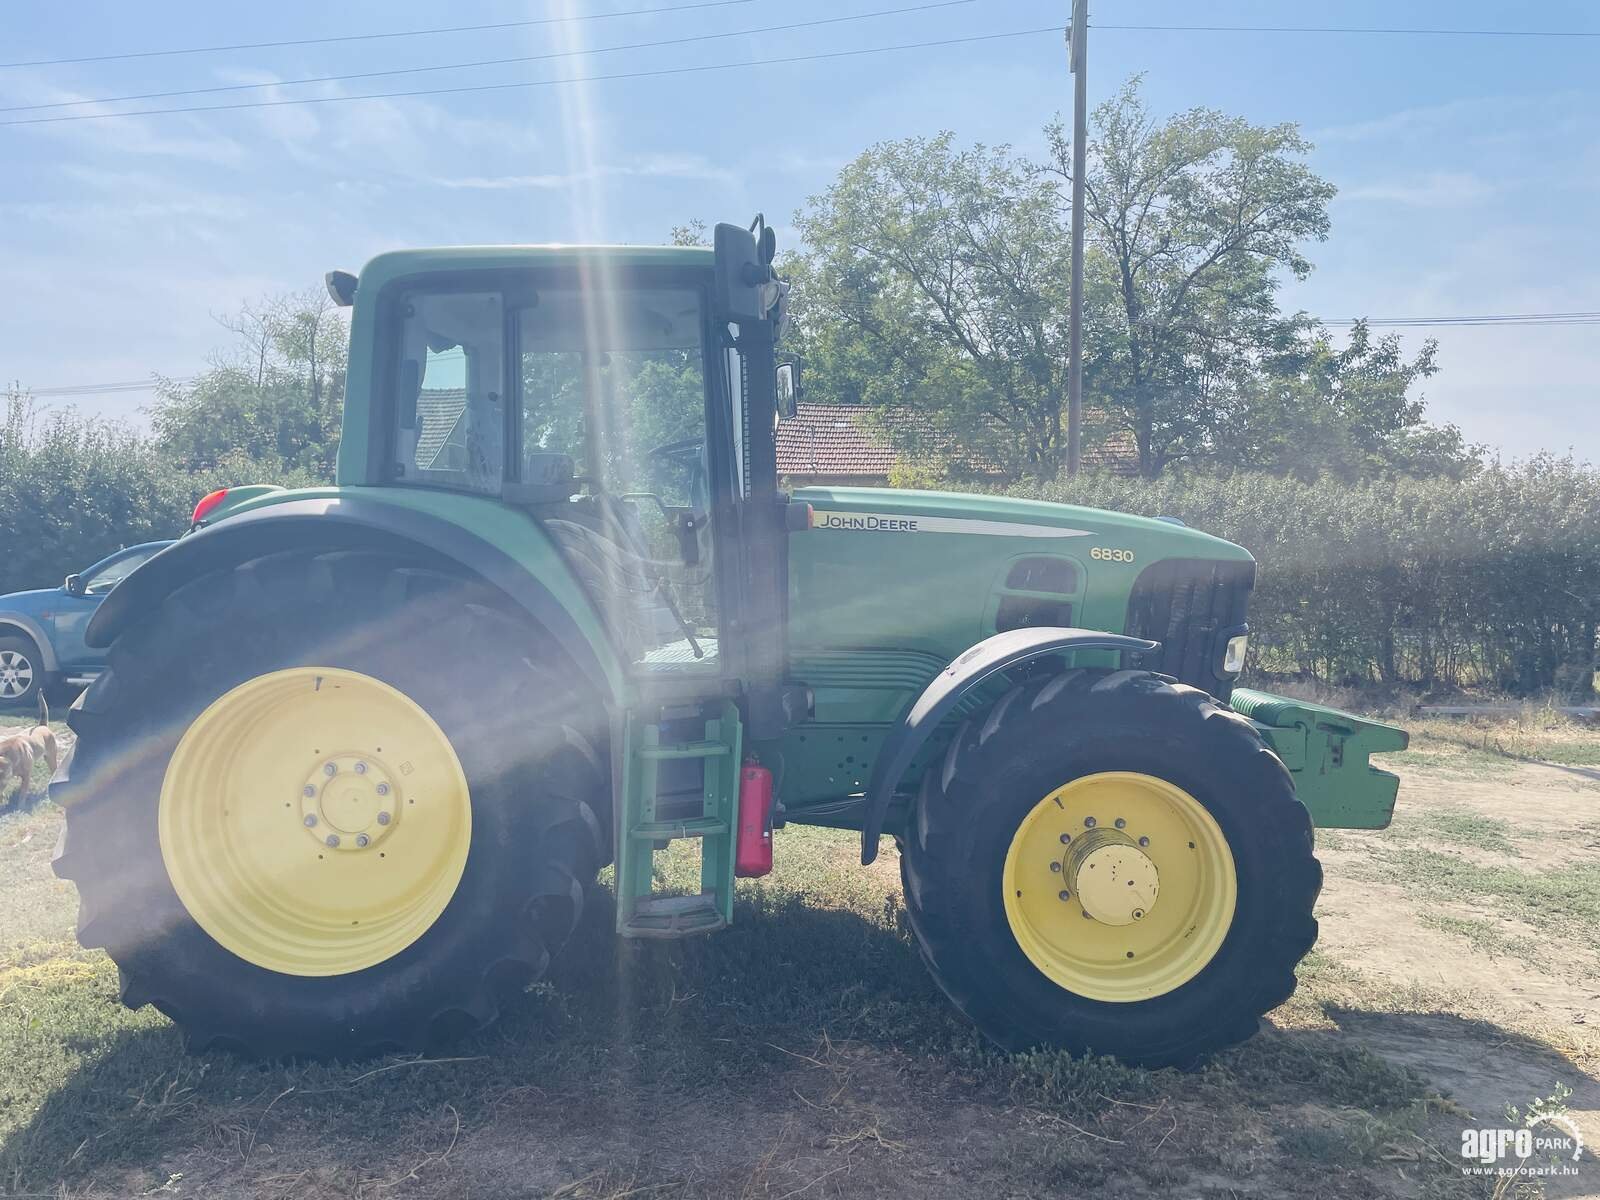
[
  {"x": 331, "y": 804},
  {"x": 1114, "y": 862}
]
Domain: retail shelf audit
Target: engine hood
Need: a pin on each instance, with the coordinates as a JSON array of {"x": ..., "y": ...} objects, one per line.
[{"x": 896, "y": 510}]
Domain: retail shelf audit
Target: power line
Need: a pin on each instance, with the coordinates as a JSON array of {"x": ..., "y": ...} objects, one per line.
[
  {"x": 98, "y": 389},
  {"x": 367, "y": 37},
  {"x": 1493, "y": 319},
  {"x": 1351, "y": 29},
  {"x": 495, "y": 62},
  {"x": 537, "y": 83}
]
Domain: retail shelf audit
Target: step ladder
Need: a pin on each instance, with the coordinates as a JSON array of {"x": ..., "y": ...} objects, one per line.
[{"x": 651, "y": 819}]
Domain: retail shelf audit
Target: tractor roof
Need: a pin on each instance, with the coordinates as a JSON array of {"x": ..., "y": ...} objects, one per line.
[{"x": 399, "y": 263}]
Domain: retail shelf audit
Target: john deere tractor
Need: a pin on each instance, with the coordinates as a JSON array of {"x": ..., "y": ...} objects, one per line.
[{"x": 360, "y": 751}]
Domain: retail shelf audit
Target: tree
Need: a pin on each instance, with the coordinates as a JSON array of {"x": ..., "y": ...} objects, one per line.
[
  {"x": 275, "y": 397},
  {"x": 1192, "y": 220},
  {"x": 1314, "y": 410},
  {"x": 935, "y": 278}
]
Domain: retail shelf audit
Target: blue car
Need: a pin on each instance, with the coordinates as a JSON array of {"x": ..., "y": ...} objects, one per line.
[{"x": 41, "y": 632}]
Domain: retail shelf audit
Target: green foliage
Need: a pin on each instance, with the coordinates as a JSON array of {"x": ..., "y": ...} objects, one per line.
[
  {"x": 1493, "y": 578},
  {"x": 73, "y": 489},
  {"x": 276, "y": 396},
  {"x": 935, "y": 279}
]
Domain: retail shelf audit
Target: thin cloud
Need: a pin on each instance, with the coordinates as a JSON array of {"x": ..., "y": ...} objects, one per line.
[{"x": 1434, "y": 190}]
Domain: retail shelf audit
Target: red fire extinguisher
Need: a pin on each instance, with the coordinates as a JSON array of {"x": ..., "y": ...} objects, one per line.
[{"x": 753, "y": 852}]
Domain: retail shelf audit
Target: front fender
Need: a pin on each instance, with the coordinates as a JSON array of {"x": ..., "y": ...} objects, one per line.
[
  {"x": 338, "y": 520},
  {"x": 987, "y": 658}
]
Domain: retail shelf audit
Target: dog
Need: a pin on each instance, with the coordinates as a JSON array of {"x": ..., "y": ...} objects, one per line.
[
  {"x": 21, "y": 752},
  {"x": 16, "y": 758}
]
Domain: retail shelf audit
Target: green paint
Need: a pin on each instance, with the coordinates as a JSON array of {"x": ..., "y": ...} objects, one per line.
[
  {"x": 1327, "y": 751},
  {"x": 889, "y": 588},
  {"x": 508, "y": 529},
  {"x": 646, "y": 826}
]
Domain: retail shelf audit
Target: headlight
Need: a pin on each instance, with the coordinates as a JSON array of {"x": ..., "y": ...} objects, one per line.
[{"x": 1233, "y": 656}]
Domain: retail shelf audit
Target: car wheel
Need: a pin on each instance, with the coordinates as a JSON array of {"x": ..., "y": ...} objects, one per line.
[{"x": 22, "y": 672}]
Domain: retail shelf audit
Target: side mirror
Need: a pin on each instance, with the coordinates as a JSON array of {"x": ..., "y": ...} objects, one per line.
[
  {"x": 787, "y": 394},
  {"x": 73, "y": 584},
  {"x": 740, "y": 275}
]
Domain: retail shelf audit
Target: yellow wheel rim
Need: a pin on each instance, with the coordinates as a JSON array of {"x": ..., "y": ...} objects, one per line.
[
  {"x": 315, "y": 821},
  {"x": 1119, "y": 886}
]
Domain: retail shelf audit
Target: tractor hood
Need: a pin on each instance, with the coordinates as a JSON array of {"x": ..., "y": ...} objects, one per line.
[{"x": 889, "y": 509}]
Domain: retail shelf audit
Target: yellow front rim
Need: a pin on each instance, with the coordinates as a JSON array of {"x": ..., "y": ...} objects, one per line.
[
  {"x": 1120, "y": 886},
  {"x": 315, "y": 821}
]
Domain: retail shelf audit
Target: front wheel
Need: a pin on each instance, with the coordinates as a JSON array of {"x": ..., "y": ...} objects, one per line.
[
  {"x": 1112, "y": 862},
  {"x": 330, "y": 804}
]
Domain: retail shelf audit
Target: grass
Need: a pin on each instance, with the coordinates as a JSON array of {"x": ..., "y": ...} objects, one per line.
[
  {"x": 1563, "y": 899},
  {"x": 1486, "y": 937},
  {"x": 1536, "y": 733},
  {"x": 806, "y": 1039}
]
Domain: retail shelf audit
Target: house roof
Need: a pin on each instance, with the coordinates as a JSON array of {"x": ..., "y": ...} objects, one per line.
[
  {"x": 439, "y": 411},
  {"x": 839, "y": 441}
]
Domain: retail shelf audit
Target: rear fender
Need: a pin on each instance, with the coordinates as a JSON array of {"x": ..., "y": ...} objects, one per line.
[
  {"x": 987, "y": 658},
  {"x": 341, "y": 522}
]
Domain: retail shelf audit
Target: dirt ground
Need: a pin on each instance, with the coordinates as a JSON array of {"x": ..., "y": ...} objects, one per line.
[{"x": 804, "y": 1054}]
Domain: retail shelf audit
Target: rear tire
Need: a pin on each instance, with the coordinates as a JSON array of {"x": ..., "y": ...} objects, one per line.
[
  {"x": 538, "y": 788},
  {"x": 999, "y": 769}
]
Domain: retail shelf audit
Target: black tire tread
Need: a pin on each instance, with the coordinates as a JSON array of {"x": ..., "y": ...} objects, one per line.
[
  {"x": 111, "y": 724},
  {"x": 942, "y": 830}
]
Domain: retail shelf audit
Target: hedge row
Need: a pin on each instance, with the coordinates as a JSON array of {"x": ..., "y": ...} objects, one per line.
[
  {"x": 74, "y": 490},
  {"x": 1494, "y": 580}
]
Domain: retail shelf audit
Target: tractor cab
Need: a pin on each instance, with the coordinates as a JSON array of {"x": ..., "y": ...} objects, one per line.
[{"x": 625, "y": 399}]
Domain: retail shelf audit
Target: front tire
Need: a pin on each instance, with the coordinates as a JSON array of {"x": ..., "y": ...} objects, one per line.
[
  {"x": 1112, "y": 862},
  {"x": 259, "y": 891}
]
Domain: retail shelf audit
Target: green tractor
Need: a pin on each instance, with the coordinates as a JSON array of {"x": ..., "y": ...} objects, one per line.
[{"x": 360, "y": 751}]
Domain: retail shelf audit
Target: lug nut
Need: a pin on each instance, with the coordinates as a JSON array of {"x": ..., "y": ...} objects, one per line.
[
  {"x": 1055, "y": 866},
  {"x": 362, "y": 839},
  {"x": 308, "y": 791},
  {"x": 330, "y": 770},
  {"x": 384, "y": 818},
  {"x": 332, "y": 839},
  {"x": 1086, "y": 915},
  {"x": 1065, "y": 838},
  {"x": 361, "y": 768},
  {"x": 1119, "y": 823},
  {"x": 311, "y": 820},
  {"x": 1065, "y": 895},
  {"x": 1144, "y": 841},
  {"x": 383, "y": 789},
  {"x": 1088, "y": 822}
]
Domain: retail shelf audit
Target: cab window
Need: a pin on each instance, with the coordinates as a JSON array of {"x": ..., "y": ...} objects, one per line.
[{"x": 451, "y": 409}]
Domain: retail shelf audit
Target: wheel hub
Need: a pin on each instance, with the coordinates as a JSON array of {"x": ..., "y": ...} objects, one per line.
[
  {"x": 1116, "y": 882},
  {"x": 350, "y": 802},
  {"x": 1119, "y": 886},
  {"x": 16, "y": 673},
  {"x": 315, "y": 821}
]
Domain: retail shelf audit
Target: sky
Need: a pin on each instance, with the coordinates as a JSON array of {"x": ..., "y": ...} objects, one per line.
[{"x": 1468, "y": 168}]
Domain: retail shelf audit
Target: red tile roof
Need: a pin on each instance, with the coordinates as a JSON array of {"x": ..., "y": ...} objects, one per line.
[{"x": 838, "y": 442}]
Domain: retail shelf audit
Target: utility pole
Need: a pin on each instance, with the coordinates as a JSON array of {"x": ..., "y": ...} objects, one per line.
[{"x": 1077, "y": 51}]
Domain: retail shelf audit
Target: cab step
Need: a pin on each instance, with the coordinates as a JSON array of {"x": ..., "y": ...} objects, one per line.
[{"x": 680, "y": 779}]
